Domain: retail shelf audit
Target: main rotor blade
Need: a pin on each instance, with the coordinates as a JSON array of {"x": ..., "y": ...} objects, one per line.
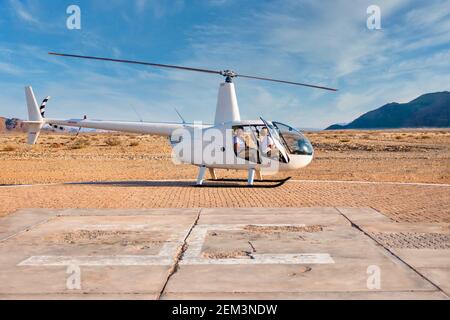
[
  {"x": 287, "y": 82},
  {"x": 135, "y": 62},
  {"x": 222, "y": 73}
]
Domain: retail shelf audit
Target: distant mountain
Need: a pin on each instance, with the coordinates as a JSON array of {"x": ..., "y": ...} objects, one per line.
[
  {"x": 428, "y": 111},
  {"x": 11, "y": 125}
]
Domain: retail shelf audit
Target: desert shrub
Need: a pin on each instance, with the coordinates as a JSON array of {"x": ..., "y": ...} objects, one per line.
[
  {"x": 113, "y": 142},
  {"x": 79, "y": 144},
  {"x": 55, "y": 145},
  {"x": 9, "y": 148},
  {"x": 344, "y": 140},
  {"x": 134, "y": 143}
]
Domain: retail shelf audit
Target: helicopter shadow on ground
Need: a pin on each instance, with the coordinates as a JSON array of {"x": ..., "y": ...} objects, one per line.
[{"x": 223, "y": 183}]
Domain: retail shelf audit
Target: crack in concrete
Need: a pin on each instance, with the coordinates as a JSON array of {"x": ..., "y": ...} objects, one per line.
[
  {"x": 28, "y": 228},
  {"x": 354, "y": 225},
  {"x": 178, "y": 256},
  {"x": 253, "y": 247}
]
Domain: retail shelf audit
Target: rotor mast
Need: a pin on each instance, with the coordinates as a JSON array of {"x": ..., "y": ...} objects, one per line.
[{"x": 227, "y": 106}]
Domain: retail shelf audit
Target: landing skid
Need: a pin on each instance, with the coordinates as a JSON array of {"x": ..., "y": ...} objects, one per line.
[{"x": 257, "y": 183}]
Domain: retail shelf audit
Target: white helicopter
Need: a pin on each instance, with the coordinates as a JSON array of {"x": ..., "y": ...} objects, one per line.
[{"x": 257, "y": 146}]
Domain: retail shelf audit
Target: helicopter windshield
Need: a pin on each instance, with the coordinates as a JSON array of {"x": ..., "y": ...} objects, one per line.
[{"x": 295, "y": 142}]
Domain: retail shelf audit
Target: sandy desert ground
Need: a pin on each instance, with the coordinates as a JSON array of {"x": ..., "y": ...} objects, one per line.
[
  {"x": 413, "y": 156},
  {"x": 395, "y": 156}
]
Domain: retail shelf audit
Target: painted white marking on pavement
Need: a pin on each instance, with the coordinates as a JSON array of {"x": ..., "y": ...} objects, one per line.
[
  {"x": 124, "y": 261},
  {"x": 192, "y": 256},
  {"x": 198, "y": 235},
  {"x": 164, "y": 257},
  {"x": 301, "y": 258},
  {"x": 195, "y": 242},
  {"x": 96, "y": 261}
]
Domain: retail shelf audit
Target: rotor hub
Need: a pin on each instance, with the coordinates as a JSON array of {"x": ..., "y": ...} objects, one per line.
[{"x": 229, "y": 74}]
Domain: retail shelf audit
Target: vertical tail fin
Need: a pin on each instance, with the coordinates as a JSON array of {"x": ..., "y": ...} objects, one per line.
[
  {"x": 33, "y": 109},
  {"x": 35, "y": 121}
]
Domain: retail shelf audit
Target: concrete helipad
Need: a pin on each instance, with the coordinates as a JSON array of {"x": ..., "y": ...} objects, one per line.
[{"x": 295, "y": 253}]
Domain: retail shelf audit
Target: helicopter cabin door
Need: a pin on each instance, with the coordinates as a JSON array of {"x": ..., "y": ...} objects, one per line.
[{"x": 277, "y": 141}]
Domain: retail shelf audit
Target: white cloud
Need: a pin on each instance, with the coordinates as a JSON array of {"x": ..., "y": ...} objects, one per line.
[
  {"x": 159, "y": 8},
  {"x": 22, "y": 12},
  {"x": 433, "y": 14},
  {"x": 10, "y": 69}
]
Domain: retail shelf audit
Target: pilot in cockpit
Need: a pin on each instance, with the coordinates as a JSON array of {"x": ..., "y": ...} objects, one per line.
[
  {"x": 266, "y": 142},
  {"x": 239, "y": 142}
]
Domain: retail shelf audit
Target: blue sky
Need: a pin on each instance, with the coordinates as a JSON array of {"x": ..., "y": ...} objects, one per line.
[{"x": 321, "y": 42}]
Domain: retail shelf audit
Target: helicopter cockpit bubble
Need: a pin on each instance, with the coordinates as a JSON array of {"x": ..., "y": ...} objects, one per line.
[{"x": 294, "y": 141}]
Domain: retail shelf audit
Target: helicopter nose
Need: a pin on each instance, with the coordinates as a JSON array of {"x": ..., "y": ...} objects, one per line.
[{"x": 298, "y": 161}]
